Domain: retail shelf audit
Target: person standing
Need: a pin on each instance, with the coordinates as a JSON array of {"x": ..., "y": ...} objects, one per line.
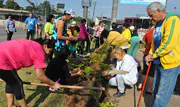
[
  {"x": 48, "y": 30},
  {"x": 40, "y": 27},
  {"x": 164, "y": 53},
  {"x": 48, "y": 27},
  {"x": 31, "y": 26},
  {"x": 134, "y": 41},
  {"x": 126, "y": 31},
  {"x": 10, "y": 27},
  {"x": 98, "y": 31},
  {"x": 57, "y": 69},
  {"x": 84, "y": 36},
  {"x": 147, "y": 40}
]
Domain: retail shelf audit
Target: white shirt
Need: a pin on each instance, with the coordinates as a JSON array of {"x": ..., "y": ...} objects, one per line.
[{"x": 128, "y": 64}]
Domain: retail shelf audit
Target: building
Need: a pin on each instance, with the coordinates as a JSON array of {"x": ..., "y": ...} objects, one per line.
[
  {"x": 18, "y": 15},
  {"x": 107, "y": 21}
]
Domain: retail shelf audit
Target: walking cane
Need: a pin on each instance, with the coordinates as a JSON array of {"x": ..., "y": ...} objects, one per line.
[{"x": 142, "y": 91}]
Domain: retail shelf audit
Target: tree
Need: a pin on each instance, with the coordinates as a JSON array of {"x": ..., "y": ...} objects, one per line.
[
  {"x": 11, "y": 4},
  {"x": 1, "y": 3},
  {"x": 29, "y": 8},
  {"x": 44, "y": 8}
]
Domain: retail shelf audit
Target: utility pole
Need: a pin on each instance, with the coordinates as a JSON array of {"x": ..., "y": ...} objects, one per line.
[
  {"x": 45, "y": 15},
  {"x": 114, "y": 10},
  {"x": 166, "y": 4},
  {"x": 94, "y": 3},
  {"x": 85, "y": 5},
  {"x": 85, "y": 12}
]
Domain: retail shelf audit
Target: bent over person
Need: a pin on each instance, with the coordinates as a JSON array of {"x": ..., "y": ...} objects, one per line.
[{"x": 17, "y": 54}]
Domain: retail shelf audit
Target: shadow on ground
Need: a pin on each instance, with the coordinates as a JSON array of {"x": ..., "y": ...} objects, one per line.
[{"x": 43, "y": 91}]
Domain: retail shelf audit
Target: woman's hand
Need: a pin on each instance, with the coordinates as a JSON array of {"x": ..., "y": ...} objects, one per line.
[
  {"x": 105, "y": 73},
  {"x": 80, "y": 72},
  {"x": 56, "y": 86}
]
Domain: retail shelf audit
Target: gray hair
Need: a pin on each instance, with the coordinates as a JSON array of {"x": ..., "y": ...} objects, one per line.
[{"x": 156, "y": 5}]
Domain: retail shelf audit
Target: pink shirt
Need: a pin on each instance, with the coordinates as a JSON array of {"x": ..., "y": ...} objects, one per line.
[
  {"x": 83, "y": 32},
  {"x": 16, "y": 54},
  {"x": 99, "y": 30}
]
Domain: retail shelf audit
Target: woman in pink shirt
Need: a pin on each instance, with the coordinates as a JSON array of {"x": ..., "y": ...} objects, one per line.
[
  {"x": 98, "y": 31},
  {"x": 84, "y": 36},
  {"x": 17, "y": 54}
]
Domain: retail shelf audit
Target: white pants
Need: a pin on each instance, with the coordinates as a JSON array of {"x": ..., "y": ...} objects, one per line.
[{"x": 119, "y": 81}]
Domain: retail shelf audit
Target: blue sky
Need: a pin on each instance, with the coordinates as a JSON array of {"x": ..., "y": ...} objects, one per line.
[{"x": 104, "y": 7}]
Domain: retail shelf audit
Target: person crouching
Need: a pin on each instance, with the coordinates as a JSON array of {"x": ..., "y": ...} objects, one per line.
[{"x": 125, "y": 72}]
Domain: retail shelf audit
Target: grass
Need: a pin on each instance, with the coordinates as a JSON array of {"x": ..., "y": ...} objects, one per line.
[{"x": 37, "y": 96}]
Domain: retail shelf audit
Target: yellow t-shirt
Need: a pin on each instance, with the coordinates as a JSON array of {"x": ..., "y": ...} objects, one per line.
[
  {"x": 127, "y": 34},
  {"x": 48, "y": 28}
]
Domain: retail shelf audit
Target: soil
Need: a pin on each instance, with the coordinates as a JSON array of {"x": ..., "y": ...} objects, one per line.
[
  {"x": 80, "y": 98},
  {"x": 88, "y": 98}
]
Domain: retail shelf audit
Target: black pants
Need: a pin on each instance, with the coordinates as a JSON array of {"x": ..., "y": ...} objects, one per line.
[
  {"x": 82, "y": 42},
  {"x": 97, "y": 42},
  {"x": 9, "y": 35},
  {"x": 58, "y": 67},
  {"x": 30, "y": 33},
  {"x": 14, "y": 84}
]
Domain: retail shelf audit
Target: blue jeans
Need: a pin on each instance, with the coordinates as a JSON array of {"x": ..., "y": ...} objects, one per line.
[{"x": 164, "y": 83}]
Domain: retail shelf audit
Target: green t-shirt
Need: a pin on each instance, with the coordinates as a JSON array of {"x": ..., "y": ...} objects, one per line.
[{"x": 48, "y": 28}]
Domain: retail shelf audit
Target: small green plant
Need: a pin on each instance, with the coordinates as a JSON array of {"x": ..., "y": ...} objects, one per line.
[
  {"x": 78, "y": 65},
  {"x": 94, "y": 61},
  {"x": 103, "y": 65},
  {"x": 107, "y": 104},
  {"x": 93, "y": 93},
  {"x": 87, "y": 70}
]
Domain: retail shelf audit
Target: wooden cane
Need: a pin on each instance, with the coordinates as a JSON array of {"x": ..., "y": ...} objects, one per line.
[
  {"x": 144, "y": 84},
  {"x": 63, "y": 86}
]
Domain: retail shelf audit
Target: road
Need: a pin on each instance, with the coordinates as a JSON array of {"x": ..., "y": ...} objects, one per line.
[{"x": 19, "y": 34}]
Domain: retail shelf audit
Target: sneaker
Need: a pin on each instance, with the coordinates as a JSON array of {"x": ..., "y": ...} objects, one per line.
[{"x": 118, "y": 94}]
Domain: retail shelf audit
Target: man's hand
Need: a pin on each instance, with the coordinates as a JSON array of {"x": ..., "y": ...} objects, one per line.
[
  {"x": 149, "y": 58},
  {"x": 24, "y": 29}
]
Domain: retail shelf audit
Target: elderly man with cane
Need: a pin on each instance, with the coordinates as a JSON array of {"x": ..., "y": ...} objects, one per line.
[{"x": 165, "y": 53}]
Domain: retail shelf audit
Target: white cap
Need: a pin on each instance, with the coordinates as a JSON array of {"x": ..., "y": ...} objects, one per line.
[
  {"x": 73, "y": 23},
  {"x": 131, "y": 28},
  {"x": 71, "y": 12}
]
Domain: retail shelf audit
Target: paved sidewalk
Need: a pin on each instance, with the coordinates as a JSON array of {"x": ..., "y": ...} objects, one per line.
[{"x": 128, "y": 99}]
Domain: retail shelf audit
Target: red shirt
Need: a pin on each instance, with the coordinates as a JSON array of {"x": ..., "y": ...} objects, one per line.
[
  {"x": 16, "y": 54},
  {"x": 148, "y": 37}
]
